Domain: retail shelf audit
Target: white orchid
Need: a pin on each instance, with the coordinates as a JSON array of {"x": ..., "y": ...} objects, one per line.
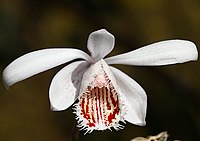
[{"x": 105, "y": 94}]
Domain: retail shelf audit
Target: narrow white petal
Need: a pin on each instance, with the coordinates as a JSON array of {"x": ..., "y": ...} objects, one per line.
[
  {"x": 100, "y": 43},
  {"x": 65, "y": 85},
  {"x": 39, "y": 61},
  {"x": 135, "y": 95},
  {"x": 161, "y": 53}
]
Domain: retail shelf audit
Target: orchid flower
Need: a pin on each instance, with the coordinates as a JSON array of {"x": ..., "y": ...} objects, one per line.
[{"x": 106, "y": 96}]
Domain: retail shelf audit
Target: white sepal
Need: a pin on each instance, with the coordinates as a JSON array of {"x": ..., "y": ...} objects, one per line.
[
  {"x": 136, "y": 99},
  {"x": 64, "y": 88},
  {"x": 160, "y": 53},
  {"x": 100, "y": 43},
  {"x": 39, "y": 61}
]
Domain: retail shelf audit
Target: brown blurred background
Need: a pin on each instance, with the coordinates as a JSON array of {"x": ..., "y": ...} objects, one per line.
[{"x": 173, "y": 91}]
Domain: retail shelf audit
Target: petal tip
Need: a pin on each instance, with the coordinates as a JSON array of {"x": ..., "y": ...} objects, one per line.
[
  {"x": 5, "y": 85},
  {"x": 195, "y": 52},
  {"x": 142, "y": 124},
  {"x": 101, "y": 31},
  {"x": 53, "y": 109},
  {"x": 5, "y": 82},
  {"x": 192, "y": 49}
]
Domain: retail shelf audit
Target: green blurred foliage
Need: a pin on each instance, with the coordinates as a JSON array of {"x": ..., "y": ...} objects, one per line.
[{"x": 173, "y": 91}]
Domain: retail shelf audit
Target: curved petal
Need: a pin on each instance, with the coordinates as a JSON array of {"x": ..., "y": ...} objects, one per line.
[
  {"x": 161, "y": 53},
  {"x": 100, "y": 43},
  {"x": 39, "y": 61},
  {"x": 65, "y": 85},
  {"x": 135, "y": 95}
]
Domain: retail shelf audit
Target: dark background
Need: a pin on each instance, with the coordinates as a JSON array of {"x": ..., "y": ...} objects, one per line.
[{"x": 173, "y": 91}]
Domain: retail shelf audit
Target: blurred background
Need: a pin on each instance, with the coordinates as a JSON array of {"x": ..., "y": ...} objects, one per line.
[{"x": 173, "y": 91}]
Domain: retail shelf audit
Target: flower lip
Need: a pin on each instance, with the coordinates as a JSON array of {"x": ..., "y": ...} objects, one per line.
[
  {"x": 99, "y": 108},
  {"x": 100, "y": 105}
]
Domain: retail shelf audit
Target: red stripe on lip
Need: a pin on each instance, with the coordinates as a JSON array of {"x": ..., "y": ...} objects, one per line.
[{"x": 105, "y": 101}]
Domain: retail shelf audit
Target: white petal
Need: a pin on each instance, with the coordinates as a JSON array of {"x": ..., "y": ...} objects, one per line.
[
  {"x": 100, "y": 43},
  {"x": 135, "y": 95},
  {"x": 39, "y": 61},
  {"x": 65, "y": 85},
  {"x": 161, "y": 53}
]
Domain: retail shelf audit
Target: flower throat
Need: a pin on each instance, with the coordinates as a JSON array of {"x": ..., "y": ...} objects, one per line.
[{"x": 99, "y": 108}]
